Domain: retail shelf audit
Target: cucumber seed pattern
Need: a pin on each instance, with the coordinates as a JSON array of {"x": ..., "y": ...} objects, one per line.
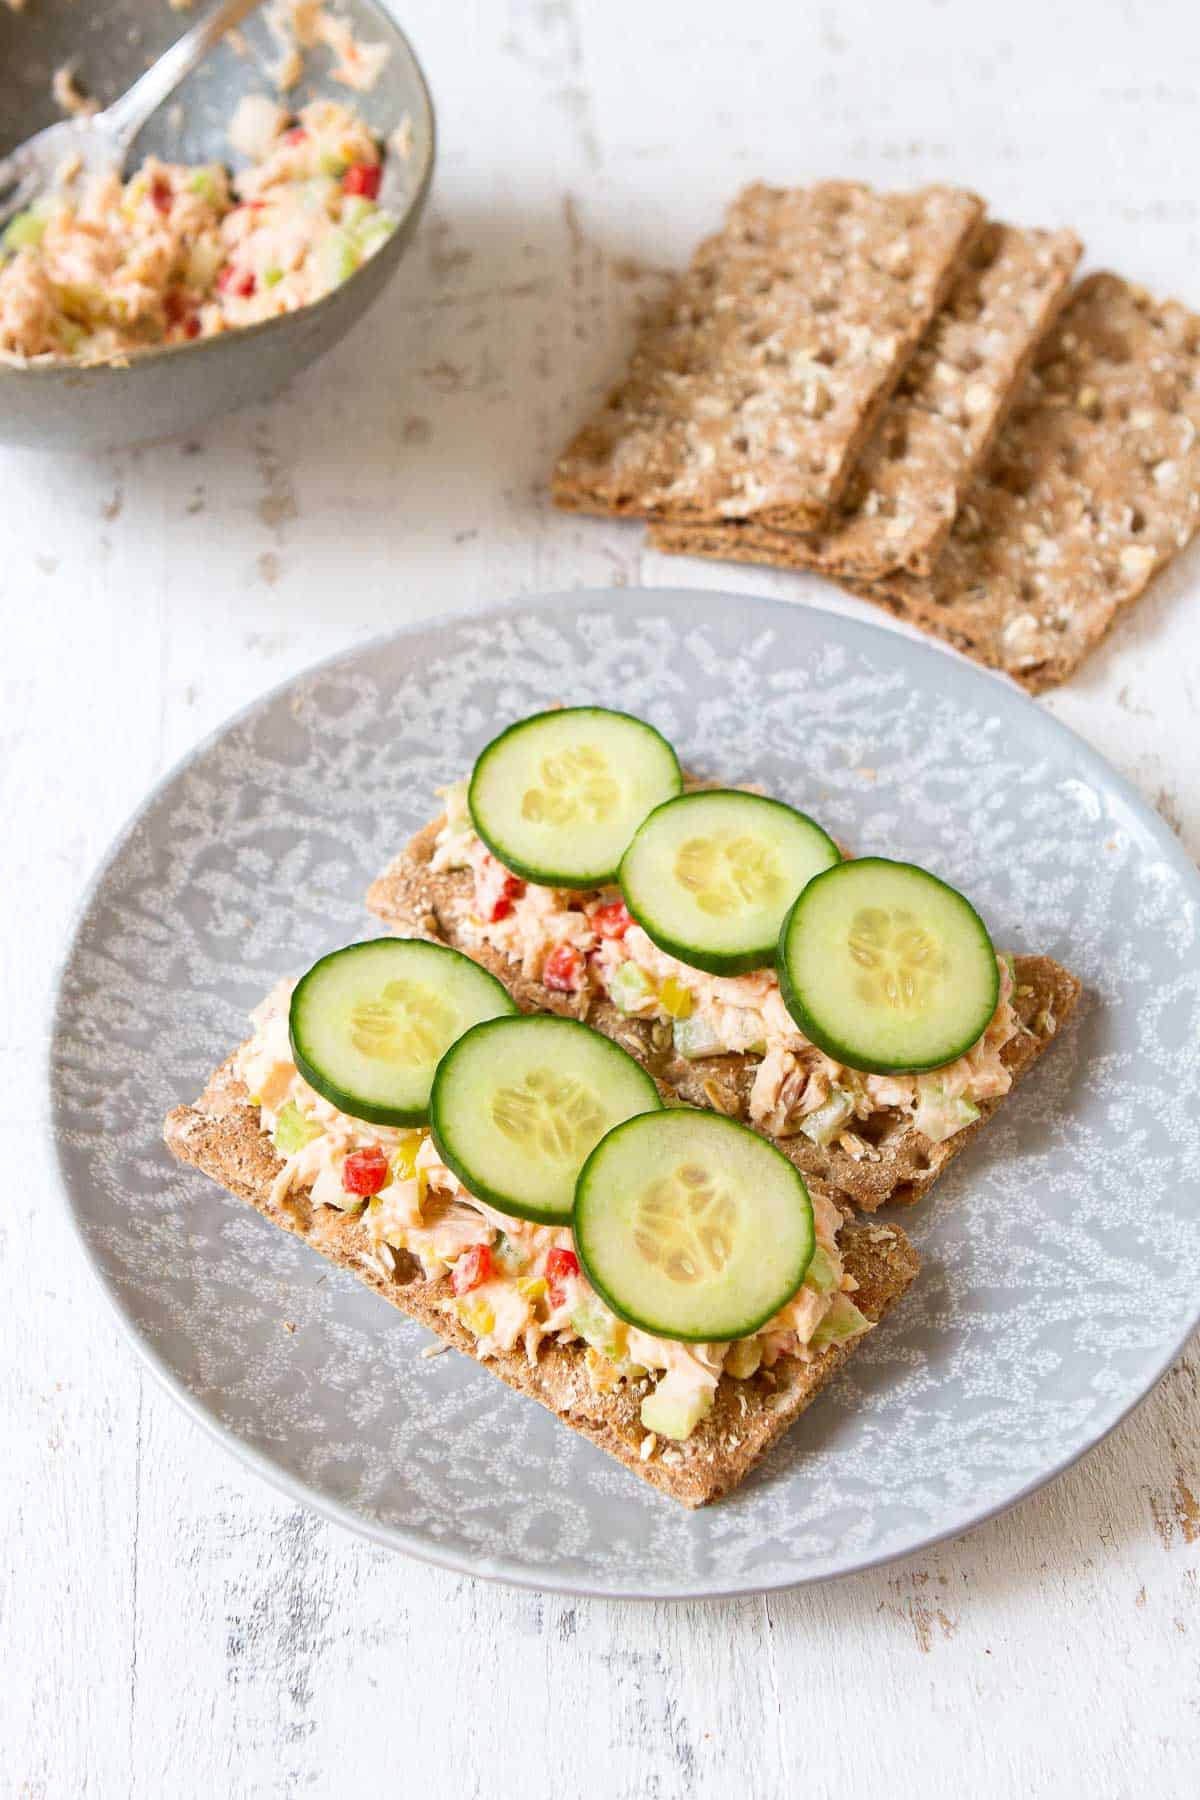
[
  {"x": 407, "y": 1024},
  {"x": 685, "y": 1224},
  {"x": 576, "y": 788},
  {"x": 554, "y": 1115},
  {"x": 728, "y": 871},
  {"x": 901, "y": 960}
]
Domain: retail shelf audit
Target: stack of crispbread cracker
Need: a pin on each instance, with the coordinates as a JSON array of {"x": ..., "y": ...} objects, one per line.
[{"x": 891, "y": 391}]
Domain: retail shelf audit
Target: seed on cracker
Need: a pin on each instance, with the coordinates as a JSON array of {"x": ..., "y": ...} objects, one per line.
[
  {"x": 753, "y": 393},
  {"x": 899, "y": 505}
]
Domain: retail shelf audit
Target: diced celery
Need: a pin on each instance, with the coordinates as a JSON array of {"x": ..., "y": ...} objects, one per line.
[
  {"x": 204, "y": 183},
  {"x": 743, "y": 1358},
  {"x": 597, "y": 1327},
  {"x": 26, "y": 231},
  {"x": 356, "y": 211},
  {"x": 293, "y": 1130},
  {"x": 331, "y": 163},
  {"x": 671, "y": 1414},
  {"x": 377, "y": 233},
  {"x": 629, "y": 987},
  {"x": 340, "y": 256},
  {"x": 822, "y": 1276},
  {"x": 823, "y": 1125},
  {"x": 345, "y": 1202},
  {"x": 938, "y": 1115},
  {"x": 675, "y": 999},
  {"x": 842, "y": 1322},
  {"x": 272, "y": 277},
  {"x": 508, "y": 1255},
  {"x": 695, "y": 1037}
]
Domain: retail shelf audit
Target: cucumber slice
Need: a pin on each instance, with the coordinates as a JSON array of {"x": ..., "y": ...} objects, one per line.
[
  {"x": 692, "y": 1226},
  {"x": 558, "y": 797},
  {"x": 709, "y": 876},
  {"x": 518, "y": 1105},
  {"x": 887, "y": 969},
  {"x": 368, "y": 1024}
]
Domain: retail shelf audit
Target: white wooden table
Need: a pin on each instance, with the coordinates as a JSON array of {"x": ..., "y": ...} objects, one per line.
[{"x": 167, "y": 1625}]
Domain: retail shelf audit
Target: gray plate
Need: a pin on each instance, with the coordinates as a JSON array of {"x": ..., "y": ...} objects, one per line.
[
  {"x": 173, "y": 390},
  {"x": 1061, "y": 1253}
]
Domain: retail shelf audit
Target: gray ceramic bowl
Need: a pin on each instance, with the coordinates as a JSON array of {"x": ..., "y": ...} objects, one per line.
[{"x": 172, "y": 391}]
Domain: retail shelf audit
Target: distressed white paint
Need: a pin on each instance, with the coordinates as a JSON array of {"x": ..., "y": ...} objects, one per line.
[{"x": 167, "y": 1625}]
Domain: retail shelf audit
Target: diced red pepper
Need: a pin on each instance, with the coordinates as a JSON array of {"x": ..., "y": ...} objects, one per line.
[
  {"x": 563, "y": 969},
  {"x": 613, "y": 920},
  {"x": 174, "y": 305},
  {"x": 160, "y": 194},
  {"x": 365, "y": 1171},
  {"x": 192, "y": 328},
  {"x": 364, "y": 179},
  {"x": 497, "y": 890},
  {"x": 512, "y": 890},
  {"x": 297, "y": 135},
  {"x": 243, "y": 285},
  {"x": 472, "y": 1269},
  {"x": 561, "y": 1265}
]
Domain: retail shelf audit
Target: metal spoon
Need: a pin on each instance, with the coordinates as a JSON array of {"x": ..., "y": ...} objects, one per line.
[{"x": 101, "y": 142}]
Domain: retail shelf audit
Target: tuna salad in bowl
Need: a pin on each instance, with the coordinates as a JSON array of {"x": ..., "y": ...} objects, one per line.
[{"x": 260, "y": 212}]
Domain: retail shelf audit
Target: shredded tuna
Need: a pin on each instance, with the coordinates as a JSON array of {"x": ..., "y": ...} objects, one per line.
[
  {"x": 742, "y": 1014},
  {"x": 427, "y": 1212}
]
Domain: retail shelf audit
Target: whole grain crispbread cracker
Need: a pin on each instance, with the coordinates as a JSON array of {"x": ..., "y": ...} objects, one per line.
[
  {"x": 936, "y": 430},
  {"x": 221, "y": 1136},
  {"x": 895, "y": 1164},
  {"x": 1093, "y": 487},
  {"x": 753, "y": 391}
]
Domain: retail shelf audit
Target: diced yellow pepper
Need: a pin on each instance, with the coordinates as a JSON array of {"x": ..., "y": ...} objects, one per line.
[
  {"x": 404, "y": 1156},
  {"x": 675, "y": 999},
  {"x": 477, "y": 1316},
  {"x": 532, "y": 1287},
  {"x": 603, "y": 1377}
]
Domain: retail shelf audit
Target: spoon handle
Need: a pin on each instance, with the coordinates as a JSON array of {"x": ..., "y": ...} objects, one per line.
[{"x": 126, "y": 116}]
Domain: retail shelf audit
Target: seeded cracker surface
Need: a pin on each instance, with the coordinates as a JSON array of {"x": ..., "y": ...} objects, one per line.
[
  {"x": 753, "y": 394},
  {"x": 221, "y": 1136},
  {"x": 1093, "y": 487},
  {"x": 937, "y": 429},
  {"x": 896, "y": 1164}
]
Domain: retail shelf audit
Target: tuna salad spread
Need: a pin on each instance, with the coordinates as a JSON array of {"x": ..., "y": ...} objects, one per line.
[
  {"x": 515, "y": 1283},
  {"x": 180, "y": 252},
  {"x": 586, "y": 943}
]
